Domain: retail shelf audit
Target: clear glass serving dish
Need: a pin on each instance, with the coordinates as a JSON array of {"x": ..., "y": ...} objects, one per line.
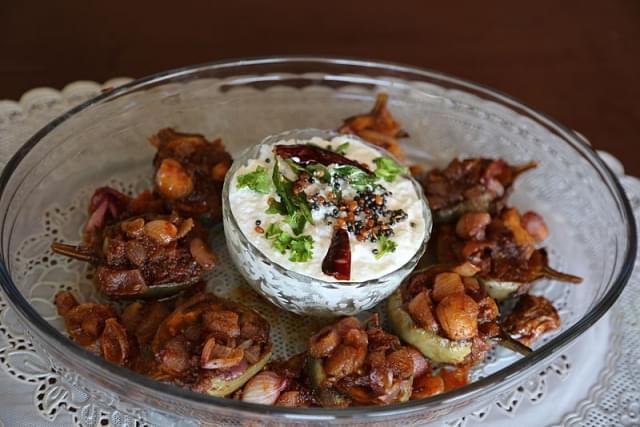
[{"x": 45, "y": 188}]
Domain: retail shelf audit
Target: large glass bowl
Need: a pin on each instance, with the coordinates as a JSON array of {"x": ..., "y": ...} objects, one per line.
[{"x": 44, "y": 190}]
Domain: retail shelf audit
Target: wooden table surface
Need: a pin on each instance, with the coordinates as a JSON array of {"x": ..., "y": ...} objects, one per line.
[{"x": 578, "y": 61}]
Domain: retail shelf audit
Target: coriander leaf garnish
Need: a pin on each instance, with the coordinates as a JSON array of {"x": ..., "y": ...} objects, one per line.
[
  {"x": 257, "y": 180},
  {"x": 300, "y": 248},
  {"x": 342, "y": 148},
  {"x": 385, "y": 246},
  {"x": 295, "y": 206},
  {"x": 296, "y": 221},
  {"x": 388, "y": 169},
  {"x": 273, "y": 230}
]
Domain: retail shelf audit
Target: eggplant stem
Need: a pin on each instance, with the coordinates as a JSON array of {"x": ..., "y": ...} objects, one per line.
[
  {"x": 81, "y": 253},
  {"x": 550, "y": 273},
  {"x": 381, "y": 101},
  {"x": 520, "y": 169},
  {"x": 508, "y": 342}
]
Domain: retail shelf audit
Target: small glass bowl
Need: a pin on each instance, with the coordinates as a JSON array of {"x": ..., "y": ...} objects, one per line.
[{"x": 297, "y": 292}]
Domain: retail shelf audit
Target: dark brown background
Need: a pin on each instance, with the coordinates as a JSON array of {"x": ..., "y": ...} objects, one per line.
[{"x": 578, "y": 61}]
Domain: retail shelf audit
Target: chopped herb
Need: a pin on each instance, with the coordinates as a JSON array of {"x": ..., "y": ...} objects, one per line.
[
  {"x": 300, "y": 248},
  {"x": 359, "y": 179},
  {"x": 273, "y": 230},
  {"x": 257, "y": 180},
  {"x": 295, "y": 206},
  {"x": 385, "y": 246},
  {"x": 388, "y": 169},
  {"x": 342, "y": 148},
  {"x": 296, "y": 221},
  {"x": 320, "y": 172}
]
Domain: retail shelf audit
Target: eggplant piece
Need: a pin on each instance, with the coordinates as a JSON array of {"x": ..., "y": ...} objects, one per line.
[
  {"x": 328, "y": 397},
  {"x": 532, "y": 317},
  {"x": 332, "y": 398},
  {"x": 363, "y": 396},
  {"x": 189, "y": 173},
  {"x": 434, "y": 347},
  {"x": 506, "y": 257},
  {"x": 133, "y": 289},
  {"x": 482, "y": 203},
  {"x": 221, "y": 387},
  {"x": 439, "y": 348},
  {"x": 478, "y": 185},
  {"x": 365, "y": 366},
  {"x": 150, "y": 256},
  {"x": 97, "y": 328},
  {"x": 206, "y": 341},
  {"x": 515, "y": 282},
  {"x": 316, "y": 372},
  {"x": 342, "y": 395}
]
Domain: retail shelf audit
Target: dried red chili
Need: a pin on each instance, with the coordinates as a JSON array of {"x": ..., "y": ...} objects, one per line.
[
  {"x": 309, "y": 154},
  {"x": 337, "y": 262}
]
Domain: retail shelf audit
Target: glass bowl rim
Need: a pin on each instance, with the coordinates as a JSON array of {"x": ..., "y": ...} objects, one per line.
[
  {"x": 426, "y": 212},
  {"x": 52, "y": 337}
]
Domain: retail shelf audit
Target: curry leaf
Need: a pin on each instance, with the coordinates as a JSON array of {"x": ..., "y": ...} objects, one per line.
[
  {"x": 359, "y": 179},
  {"x": 294, "y": 206}
]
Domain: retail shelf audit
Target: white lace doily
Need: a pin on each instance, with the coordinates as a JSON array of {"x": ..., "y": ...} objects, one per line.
[{"x": 596, "y": 383}]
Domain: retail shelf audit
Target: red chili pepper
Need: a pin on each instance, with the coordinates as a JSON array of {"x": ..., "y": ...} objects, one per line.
[
  {"x": 337, "y": 262},
  {"x": 305, "y": 154}
]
